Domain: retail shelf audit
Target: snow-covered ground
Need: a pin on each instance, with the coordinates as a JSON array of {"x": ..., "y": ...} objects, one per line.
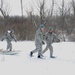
[{"x": 22, "y": 64}]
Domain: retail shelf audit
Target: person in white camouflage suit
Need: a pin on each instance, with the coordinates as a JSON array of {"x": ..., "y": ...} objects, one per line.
[
  {"x": 50, "y": 37},
  {"x": 39, "y": 37},
  {"x": 9, "y": 36}
]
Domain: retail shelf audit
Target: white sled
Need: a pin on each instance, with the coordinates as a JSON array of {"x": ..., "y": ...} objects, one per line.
[{"x": 9, "y": 52}]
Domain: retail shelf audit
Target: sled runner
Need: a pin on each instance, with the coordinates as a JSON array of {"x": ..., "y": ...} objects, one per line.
[{"x": 9, "y": 52}]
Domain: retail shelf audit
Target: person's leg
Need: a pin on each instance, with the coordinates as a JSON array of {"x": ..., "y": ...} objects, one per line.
[
  {"x": 45, "y": 50},
  {"x": 10, "y": 46},
  {"x": 51, "y": 51},
  {"x": 40, "y": 51},
  {"x": 35, "y": 50},
  {"x": 40, "y": 54}
]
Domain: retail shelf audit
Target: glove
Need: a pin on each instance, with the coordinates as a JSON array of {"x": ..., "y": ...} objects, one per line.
[{"x": 43, "y": 43}]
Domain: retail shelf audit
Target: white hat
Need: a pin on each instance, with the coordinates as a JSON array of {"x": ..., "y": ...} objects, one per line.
[{"x": 9, "y": 31}]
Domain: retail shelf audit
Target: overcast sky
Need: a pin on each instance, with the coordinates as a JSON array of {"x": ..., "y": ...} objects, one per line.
[{"x": 15, "y": 8}]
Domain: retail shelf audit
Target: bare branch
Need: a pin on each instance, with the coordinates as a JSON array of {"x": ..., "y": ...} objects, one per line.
[{"x": 4, "y": 9}]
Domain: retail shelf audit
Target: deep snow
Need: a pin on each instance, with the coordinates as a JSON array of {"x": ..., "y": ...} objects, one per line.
[{"x": 22, "y": 64}]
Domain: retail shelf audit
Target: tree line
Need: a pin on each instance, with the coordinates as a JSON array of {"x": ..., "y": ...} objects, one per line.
[{"x": 25, "y": 27}]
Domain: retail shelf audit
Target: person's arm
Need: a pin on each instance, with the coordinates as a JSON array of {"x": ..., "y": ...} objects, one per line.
[
  {"x": 56, "y": 38},
  {"x": 14, "y": 37},
  {"x": 3, "y": 38}
]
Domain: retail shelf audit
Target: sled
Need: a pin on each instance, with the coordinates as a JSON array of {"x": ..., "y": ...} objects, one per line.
[{"x": 9, "y": 52}]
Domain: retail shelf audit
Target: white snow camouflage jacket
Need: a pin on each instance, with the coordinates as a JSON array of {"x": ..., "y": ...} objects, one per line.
[
  {"x": 9, "y": 37},
  {"x": 39, "y": 37},
  {"x": 50, "y": 38}
]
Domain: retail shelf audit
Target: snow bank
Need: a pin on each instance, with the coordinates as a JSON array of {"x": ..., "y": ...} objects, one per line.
[{"x": 22, "y": 64}]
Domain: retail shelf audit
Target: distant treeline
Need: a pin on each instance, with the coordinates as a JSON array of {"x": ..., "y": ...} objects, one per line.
[{"x": 25, "y": 27}]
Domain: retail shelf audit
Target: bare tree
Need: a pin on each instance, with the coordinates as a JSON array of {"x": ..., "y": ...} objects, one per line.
[
  {"x": 21, "y": 7},
  {"x": 68, "y": 21},
  {"x": 50, "y": 12},
  {"x": 73, "y": 7},
  {"x": 4, "y": 9},
  {"x": 42, "y": 11},
  {"x": 62, "y": 12},
  {"x": 45, "y": 11}
]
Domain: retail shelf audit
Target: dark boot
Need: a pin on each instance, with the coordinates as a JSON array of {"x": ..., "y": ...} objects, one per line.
[
  {"x": 52, "y": 56},
  {"x": 10, "y": 50},
  {"x": 40, "y": 57},
  {"x": 31, "y": 54}
]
